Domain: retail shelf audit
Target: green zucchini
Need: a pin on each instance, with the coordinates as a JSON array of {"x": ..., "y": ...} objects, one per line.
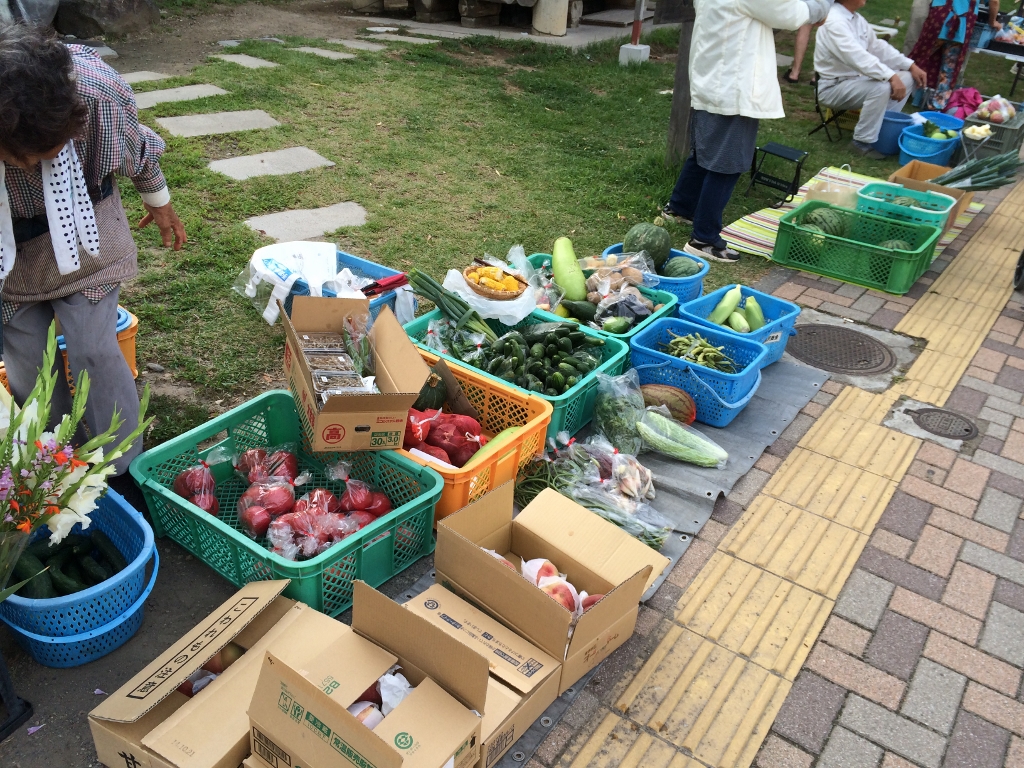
[
  {"x": 42, "y": 549},
  {"x": 110, "y": 553}
]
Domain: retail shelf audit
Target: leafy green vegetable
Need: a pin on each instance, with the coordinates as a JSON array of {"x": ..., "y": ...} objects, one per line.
[{"x": 618, "y": 406}]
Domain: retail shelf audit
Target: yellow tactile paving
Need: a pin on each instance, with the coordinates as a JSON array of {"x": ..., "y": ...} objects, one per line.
[
  {"x": 809, "y": 550},
  {"x": 922, "y": 392},
  {"x": 744, "y": 626},
  {"x": 849, "y": 495},
  {"x": 851, "y": 440},
  {"x": 864, "y": 405},
  {"x": 938, "y": 370},
  {"x": 756, "y": 614}
]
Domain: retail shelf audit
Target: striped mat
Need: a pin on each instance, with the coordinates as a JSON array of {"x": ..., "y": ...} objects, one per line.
[{"x": 755, "y": 233}]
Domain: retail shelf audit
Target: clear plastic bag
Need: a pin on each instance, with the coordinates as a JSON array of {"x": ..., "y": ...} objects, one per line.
[
  {"x": 356, "y": 334},
  {"x": 258, "y": 464},
  {"x": 628, "y": 303},
  {"x": 197, "y": 484},
  {"x": 618, "y": 407},
  {"x": 663, "y": 434},
  {"x": 639, "y": 519},
  {"x": 624, "y": 471},
  {"x": 439, "y": 336},
  {"x": 621, "y": 269}
]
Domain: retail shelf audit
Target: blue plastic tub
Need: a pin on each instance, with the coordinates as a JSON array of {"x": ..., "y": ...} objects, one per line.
[
  {"x": 368, "y": 268},
  {"x": 683, "y": 288},
  {"x": 75, "y": 629},
  {"x": 780, "y": 319},
  {"x": 944, "y": 121},
  {"x": 124, "y": 320},
  {"x": 940, "y": 157},
  {"x": 716, "y": 389},
  {"x": 892, "y": 126},
  {"x": 712, "y": 409}
]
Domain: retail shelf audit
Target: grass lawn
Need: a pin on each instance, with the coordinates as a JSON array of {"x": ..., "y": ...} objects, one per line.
[{"x": 455, "y": 150}]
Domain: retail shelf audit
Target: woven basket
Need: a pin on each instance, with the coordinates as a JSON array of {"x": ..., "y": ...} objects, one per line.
[{"x": 490, "y": 293}]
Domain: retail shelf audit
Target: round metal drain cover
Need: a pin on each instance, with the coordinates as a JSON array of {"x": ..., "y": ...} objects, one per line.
[
  {"x": 944, "y": 423},
  {"x": 840, "y": 350}
]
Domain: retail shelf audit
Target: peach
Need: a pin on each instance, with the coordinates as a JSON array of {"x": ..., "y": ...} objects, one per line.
[
  {"x": 366, "y": 713},
  {"x": 561, "y": 592},
  {"x": 589, "y": 600},
  {"x": 547, "y": 570}
]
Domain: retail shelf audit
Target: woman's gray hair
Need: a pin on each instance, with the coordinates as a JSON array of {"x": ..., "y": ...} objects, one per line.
[{"x": 39, "y": 106}]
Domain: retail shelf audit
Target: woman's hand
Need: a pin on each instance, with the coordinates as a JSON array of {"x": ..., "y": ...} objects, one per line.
[{"x": 169, "y": 224}]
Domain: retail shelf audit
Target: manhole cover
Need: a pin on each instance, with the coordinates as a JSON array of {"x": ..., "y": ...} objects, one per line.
[
  {"x": 944, "y": 423},
  {"x": 840, "y": 350}
]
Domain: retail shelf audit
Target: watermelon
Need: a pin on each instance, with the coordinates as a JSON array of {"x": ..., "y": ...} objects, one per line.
[
  {"x": 896, "y": 245},
  {"x": 657, "y": 242},
  {"x": 830, "y": 222},
  {"x": 818, "y": 239},
  {"x": 906, "y": 202},
  {"x": 680, "y": 266}
]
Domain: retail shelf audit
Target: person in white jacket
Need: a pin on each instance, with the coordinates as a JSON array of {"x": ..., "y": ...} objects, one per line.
[
  {"x": 856, "y": 70},
  {"x": 734, "y": 82}
]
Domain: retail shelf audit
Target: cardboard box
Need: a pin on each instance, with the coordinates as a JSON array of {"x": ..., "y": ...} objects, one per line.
[
  {"x": 147, "y": 723},
  {"x": 916, "y": 174},
  {"x": 354, "y": 422},
  {"x": 299, "y": 715},
  {"x": 595, "y": 555},
  {"x": 523, "y": 682}
]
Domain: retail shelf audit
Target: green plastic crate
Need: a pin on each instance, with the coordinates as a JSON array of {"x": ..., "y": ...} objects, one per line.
[
  {"x": 374, "y": 554},
  {"x": 670, "y": 300},
  {"x": 571, "y": 411},
  {"x": 853, "y": 259},
  {"x": 931, "y": 208}
]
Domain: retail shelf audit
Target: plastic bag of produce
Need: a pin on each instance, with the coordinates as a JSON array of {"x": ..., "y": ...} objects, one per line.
[
  {"x": 439, "y": 336},
  {"x": 618, "y": 407},
  {"x": 258, "y": 464},
  {"x": 620, "y": 269},
  {"x": 197, "y": 484},
  {"x": 622, "y": 311},
  {"x": 663, "y": 434},
  {"x": 624, "y": 471},
  {"x": 639, "y": 519},
  {"x": 996, "y": 110}
]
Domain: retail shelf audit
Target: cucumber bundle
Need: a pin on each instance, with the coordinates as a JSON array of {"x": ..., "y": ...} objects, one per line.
[{"x": 78, "y": 562}]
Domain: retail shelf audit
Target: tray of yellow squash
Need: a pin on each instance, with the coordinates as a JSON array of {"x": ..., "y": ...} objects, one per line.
[{"x": 494, "y": 282}]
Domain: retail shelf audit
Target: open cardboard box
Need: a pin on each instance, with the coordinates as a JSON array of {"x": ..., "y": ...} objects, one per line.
[
  {"x": 523, "y": 681},
  {"x": 595, "y": 555},
  {"x": 148, "y": 723},
  {"x": 916, "y": 175},
  {"x": 299, "y": 713},
  {"x": 354, "y": 422}
]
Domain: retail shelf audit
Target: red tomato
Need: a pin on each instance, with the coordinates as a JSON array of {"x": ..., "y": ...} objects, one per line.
[
  {"x": 356, "y": 496},
  {"x": 379, "y": 505},
  {"x": 256, "y": 521}
]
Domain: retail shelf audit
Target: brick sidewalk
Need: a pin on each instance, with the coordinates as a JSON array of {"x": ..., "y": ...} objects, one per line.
[{"x": 663, "y": 701}]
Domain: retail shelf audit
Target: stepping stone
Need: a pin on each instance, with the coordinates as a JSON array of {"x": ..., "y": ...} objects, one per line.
[
  {"x": 382, "y": 29},
  {"x": 359, "y": 45},
  {"x": 403, "y": 39},
  {"x": 782, "y": 60},
  {"x": 185, "y": 93},
  {"x": 324, "y": 52},
  {"x": 104, "y": 52},
  {"x": 279, "y": 163},
  {"x": 229, "y": 43},
  {"x": 305, "y": 224},
  {"x": 143, "y": 77},
  {"x": 217, "y": 122},
  {"x": 249, "y": 62},
  {"x": 270, "y": 40}
]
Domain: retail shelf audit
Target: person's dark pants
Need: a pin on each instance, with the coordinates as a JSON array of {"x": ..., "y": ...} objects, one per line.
[{"x": 701, "y": 195}]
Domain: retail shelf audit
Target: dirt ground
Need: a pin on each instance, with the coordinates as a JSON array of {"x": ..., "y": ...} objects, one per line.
[{"x": 180, "y": 42}]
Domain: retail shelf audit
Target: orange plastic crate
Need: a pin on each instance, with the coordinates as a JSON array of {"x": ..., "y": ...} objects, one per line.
[{"x": 500, "y": 407}]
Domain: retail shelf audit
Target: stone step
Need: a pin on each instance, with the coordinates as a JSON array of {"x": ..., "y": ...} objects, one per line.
[
  {"x": 310, "y": 223},
  {"x": 279, "y": 163},
  {"x": 359, "y": 45},
  {"x": 105, "y": 52},
  {"x": 249, "y": 62},
  {"x": 143, "y": 77},
  {"x": 184, "y": 93},
  {"x": 217, "y": 122},
  {"x": 324, "y": 52},
  {"x": 388, "y": 38}
]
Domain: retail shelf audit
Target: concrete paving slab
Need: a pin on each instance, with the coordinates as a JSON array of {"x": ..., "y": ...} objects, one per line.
[
  {"x": 143, "y": 76},
  {"x": 229, "y": 43},
  {"x": 359, "y": 45},
  {"x": 279, "y": 163},
  {"x": 105, "y": 52},
  {"x": 324, "y": 52},
  {"x": 307, "y": 224},
  {"x": 382, "y": 29},
  {"x": 185, "y": 93},
  {"x": 249, "y": 62},
  {"x": 403, "y": 39},
  {"x": 217, "y": 122}
]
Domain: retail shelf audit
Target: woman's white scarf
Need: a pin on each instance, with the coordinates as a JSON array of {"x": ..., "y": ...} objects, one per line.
[{"x": 68, "y": 210}]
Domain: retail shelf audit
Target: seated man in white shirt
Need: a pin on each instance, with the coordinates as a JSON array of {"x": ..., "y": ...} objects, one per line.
[{"x": 856, "y": 70}]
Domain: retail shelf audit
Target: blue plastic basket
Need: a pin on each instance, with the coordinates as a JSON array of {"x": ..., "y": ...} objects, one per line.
[
  {"x": 684, "y": 288},
  {"x": 711, "y": 409},
  {"x": 732, "y": 387},
  {"x": 944, "y": 121},
  {"x": 914, "y": 145},
  {"x": 75, "y": 629},
  {"x": 780, "y": 319},
  {"x": 368, "y": 268}
]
